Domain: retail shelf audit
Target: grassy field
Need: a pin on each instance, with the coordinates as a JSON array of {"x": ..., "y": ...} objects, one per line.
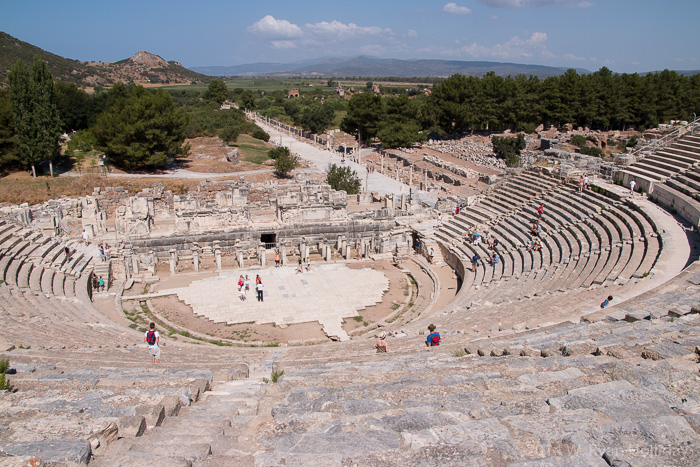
[
  {"x": 265, "y": 84},
  {"x": 251, "y": 149}
]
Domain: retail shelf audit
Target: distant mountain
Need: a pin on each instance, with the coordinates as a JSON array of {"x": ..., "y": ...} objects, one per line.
[
  {"x": 374, "y": 67},
  {"x": 142, "y": 68}
]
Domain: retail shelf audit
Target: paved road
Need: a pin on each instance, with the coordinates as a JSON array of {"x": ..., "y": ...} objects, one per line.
[{"x": 321, "y": 158}]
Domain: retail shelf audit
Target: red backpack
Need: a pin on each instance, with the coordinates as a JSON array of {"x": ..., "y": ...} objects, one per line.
[{"x": 151, "y": 337}]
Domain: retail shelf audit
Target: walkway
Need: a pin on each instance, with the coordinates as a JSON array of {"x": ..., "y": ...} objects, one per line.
[{"x": 321, "y": 158}]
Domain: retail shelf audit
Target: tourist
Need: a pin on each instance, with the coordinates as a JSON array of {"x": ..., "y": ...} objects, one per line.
[
  {"x": 102, "y": 252},
  {"x": 439, "y": 221},
  {"x": 66, "y": 250},
  {"x": 476, "y": 238},
  {"x": 257, "y": 279},
  {"x": 85, "y": 237},
  {"x": 494, "y": 244},
  {"x": 457, "y": 210},
  {"x": 494, "y": 259},
  {"x": 95, "y": 283},
  {"x": 308, "y": 264},
  {"x": 540, "y": 211},
  {"x": 259, "y": 289},
  {"x": 475, "y": 261},
  {"x": 101, "y": 284},
  {"x": 241, "y": 293},
  {"x": 247, "y": 284},
  {"x": 277, "y": 259},
  {"x": 380, "y": 343},
  {"x": 240, "y": 282},
  {"x": 299, "y": 268},
  {"x": 431, "y": 255},
  {"x": 632, "y": 185},
  {"x": 606, "y": 302},
  {"x": 580, "y": 184},
  {"x": 152, "y": 338},
  {"x": 107, "y": 251},
  {"x": 585, "y": 182},
  {"x": 433, "y": 338}
]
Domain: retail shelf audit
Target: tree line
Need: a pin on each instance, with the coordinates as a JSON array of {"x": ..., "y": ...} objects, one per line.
[
  {"x": 136, "y": 128},
  {"x": 459, "y": 104}
]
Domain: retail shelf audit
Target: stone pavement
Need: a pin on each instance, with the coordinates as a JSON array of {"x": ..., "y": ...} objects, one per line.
[
  {"x": 327, "y": 294},
  {"x": 321, "y": 158}
]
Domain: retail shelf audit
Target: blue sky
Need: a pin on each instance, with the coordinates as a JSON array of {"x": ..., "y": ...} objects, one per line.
[{"x": 624, "y": 35}]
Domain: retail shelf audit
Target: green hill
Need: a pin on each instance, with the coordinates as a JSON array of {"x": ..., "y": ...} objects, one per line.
[{"x": 142, "y": 68}]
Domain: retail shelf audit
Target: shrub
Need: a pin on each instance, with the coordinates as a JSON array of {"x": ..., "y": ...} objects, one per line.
[
  {"x": 592, "y": 151},
  {"x": 276, "y": 375},
  {"x": 260, "y": 134},
  {"x": 578, "y": 140}
]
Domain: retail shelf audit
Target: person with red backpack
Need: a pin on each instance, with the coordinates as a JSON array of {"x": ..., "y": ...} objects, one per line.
[
  {"x": 433, "y": 338},
  {"x": 152, "y": 338}
]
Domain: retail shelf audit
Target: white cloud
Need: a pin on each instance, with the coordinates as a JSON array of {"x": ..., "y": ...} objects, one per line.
[
  {"x": 574, "y": 57},
  {"x": 283, "y": 44},
  {"x": 535, "y": 3},
  {"x": 412, "y": 33},
  {"x": 339, "y": 30},
  {"x": 271, "y": 28},
  {"x": 512, "y": 49},
  {"x": 537, "y": 38},
  {"x": 456, "y": 9},
  {"x": 282, "y": 34},
  {"x": 494, "y": 17}
]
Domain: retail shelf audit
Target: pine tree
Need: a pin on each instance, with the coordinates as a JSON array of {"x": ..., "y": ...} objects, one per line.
[{"x": 34, "y": 113}]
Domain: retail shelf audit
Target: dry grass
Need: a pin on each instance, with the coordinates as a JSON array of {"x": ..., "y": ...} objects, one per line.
[{"x": 22, "y": 188}]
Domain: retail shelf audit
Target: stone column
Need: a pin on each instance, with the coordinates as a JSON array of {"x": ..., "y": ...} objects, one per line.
[
  {"x": 127, "y": 267},
  {"x": 403, "y": 202},
  {"x": 195, "y": 258},
  {"x": 261, "y": 255},
  {"x": 283, "y": 255},
  {"x": 239, "y": 257},
  {"x": 347, "y": 252},
  {"x": 410, "y": 176},
  {"x": 135, "y": 264},
  {"x": 217, "y": 255},
  {"x": 154, "y": 262},
  {"x": 329, "y": 253},
  {"x": 302, "y": 251},
  {"x": 173, "y": 261},
  {"x": 339, "y": 242}
]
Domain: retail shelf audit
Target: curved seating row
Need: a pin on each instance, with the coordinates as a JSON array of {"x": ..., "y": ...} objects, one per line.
[{"x": 588, "y": 240}]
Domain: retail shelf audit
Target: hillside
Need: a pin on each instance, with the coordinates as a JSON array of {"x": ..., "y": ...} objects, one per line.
[
  {"x": 373, "y": 67},
  {"x": 142, "y": 68}
]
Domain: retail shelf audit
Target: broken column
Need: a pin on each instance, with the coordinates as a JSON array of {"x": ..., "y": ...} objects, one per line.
[
  {"x": 195, "y": 257},
  {"x": 173, "y": 261},
  {"x": 261, "y": 255},
  {"x": 283, "y": 255},
  {"x": 217, "y": 255}
]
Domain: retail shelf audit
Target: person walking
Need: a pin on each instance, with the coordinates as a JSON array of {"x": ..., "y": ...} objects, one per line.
[
  {"x": 300, "y": 269},
  {"x": 277, "y": 259},
  {"x": 259, "y": 289},
  {"x": 152, "y": 338},
  {"x": 632, "y": 185}
]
